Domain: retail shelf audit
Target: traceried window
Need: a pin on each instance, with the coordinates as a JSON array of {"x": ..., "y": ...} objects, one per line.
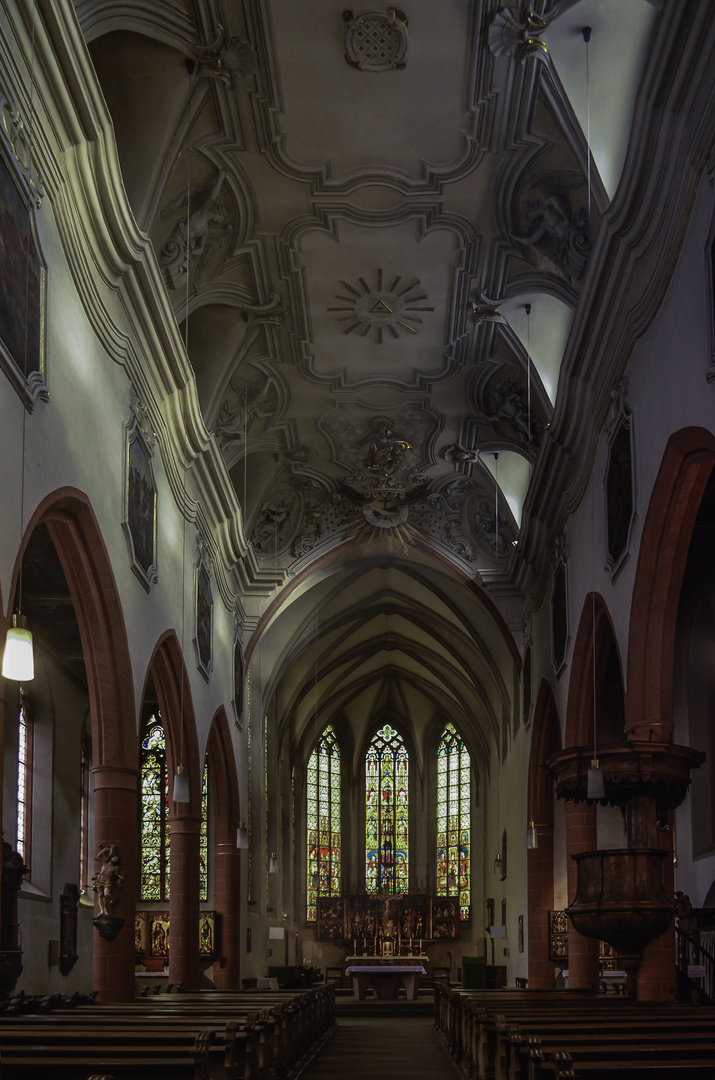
[
  {"x": 323, "y": 820},
  {"x": 155, "y": 824},
  {"x": 24, "y": 778},
  {"x": 386, "y": 810},
  {"x": 453, "y": 814}
]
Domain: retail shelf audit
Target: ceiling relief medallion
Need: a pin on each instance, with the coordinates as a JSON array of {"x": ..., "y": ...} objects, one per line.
[
  {"x": 558, "y": 234},
  {"x": 381, "y": 310},
  {"x": 376, "y": 40}
]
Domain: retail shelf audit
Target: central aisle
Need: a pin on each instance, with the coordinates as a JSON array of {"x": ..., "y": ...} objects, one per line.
[{"x": 383, "y": 1048}]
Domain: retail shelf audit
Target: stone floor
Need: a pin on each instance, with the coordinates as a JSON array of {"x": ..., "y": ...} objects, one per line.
[{"x": 383, "y": 1048}]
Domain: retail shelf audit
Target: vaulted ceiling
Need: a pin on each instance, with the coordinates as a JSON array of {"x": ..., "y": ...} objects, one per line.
[{"x": 374, "y": 227}]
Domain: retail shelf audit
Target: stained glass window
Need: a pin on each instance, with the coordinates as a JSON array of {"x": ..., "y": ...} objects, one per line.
[
  {"x": 453, "y": 812},
  {"x": 386, "y": 808},
  {"x": 155, "y": 827},
  {"x": 323, "y": 820},
  {"x": 204, "y": 835}
]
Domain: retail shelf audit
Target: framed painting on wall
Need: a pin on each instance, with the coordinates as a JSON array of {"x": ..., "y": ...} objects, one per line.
[{"x": 140, "y": 496}]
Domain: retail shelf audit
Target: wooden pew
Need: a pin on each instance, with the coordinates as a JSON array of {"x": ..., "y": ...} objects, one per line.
[
  {"x": 498, "y": 1034},
  {"x": 253, "y": 1043}
]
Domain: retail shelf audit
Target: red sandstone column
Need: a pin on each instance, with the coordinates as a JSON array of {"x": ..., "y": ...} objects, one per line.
[
  {"x": 115, "y": 822},
  {"x": 581, "y": 835},
  {"x": 227, "y": 899},
  {"x": 656, "y": 974},
  {"x": 184, "y": 902},
  {"x": 541, "y": 900}
]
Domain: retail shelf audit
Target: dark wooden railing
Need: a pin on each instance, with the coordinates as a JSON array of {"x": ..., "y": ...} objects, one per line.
[{"x": 696, "y": 965}]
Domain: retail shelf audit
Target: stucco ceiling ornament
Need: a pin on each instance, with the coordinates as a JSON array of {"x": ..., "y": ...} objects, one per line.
[
  {"x": 379, "y": 310},
  {"x": 376, "y": 40},
  {"x": 510, "y": 407},
  {"x": 557, "y": 230},
  {"x": 485, "y": 310},
  {"x": 462, "y": 514},
  {"x": 517, "y": 33},
  {"x": 461, "y": 455},
  {"x": 256, "y": 399},
  {"x": 197, "y": 235},
  {"x": 225, "y": 57}
]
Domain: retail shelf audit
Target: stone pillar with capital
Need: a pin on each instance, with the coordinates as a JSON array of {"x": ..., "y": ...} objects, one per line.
[
  {"x": 227, "y": 898},
  {"x": 184, "y": 901}
]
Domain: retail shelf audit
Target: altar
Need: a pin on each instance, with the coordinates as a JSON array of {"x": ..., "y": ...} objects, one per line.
[{"x": 384, "y": 975}]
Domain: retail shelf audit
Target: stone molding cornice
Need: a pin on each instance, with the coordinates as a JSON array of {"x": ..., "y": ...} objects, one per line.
[
  {"x": 635, "y": 255},
  {"x": 116, "y": 273}
]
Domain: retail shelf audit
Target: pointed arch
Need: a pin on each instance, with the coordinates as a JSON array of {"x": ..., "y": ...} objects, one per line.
[
  {"x": 545, "y": 741},
  {"x": 226, "y": 856},
  {"x": 173, "y": 690},
  {"x": 74, "y": 530},
  {"x": 677, "y": 493}
]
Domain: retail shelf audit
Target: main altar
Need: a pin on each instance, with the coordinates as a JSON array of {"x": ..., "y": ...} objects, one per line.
[{"x": 382, "y": 925}]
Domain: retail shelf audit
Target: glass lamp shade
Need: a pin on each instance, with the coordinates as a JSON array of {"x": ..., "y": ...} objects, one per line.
[
  {"x": 532, "y": 839},
  {"x": 594, "y": 782},
  {"x": 242, "y": 835},
  {"x": 498, "y": 865},
  {"x": 273, "y": 863},
  {"x": 18, "y": 661},
  {"x": 181, "y": 785}
]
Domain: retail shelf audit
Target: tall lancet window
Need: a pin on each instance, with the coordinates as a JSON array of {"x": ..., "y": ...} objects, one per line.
[
  {"x": 453, "y": 813},
  {"x": 386, "y": 809},
  {"x": 204, "y": 835},
  {"x": 323, "y": 820},
  {"x": 155, "y": 825}
]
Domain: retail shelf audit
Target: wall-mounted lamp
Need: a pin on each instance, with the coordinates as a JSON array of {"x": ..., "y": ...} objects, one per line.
[
  {"x": 532, "y": 837},
  {"x": 273, "y": 863},
  {"x": 181, "y": 785},
  {"x": 498, "y": 864},
  {"x": 242, "y": 835},
  {"x": 18, "y": 662}
]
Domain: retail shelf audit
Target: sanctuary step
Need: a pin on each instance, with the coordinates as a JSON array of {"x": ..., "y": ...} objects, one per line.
[{"x": 346, "y": 1004}]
